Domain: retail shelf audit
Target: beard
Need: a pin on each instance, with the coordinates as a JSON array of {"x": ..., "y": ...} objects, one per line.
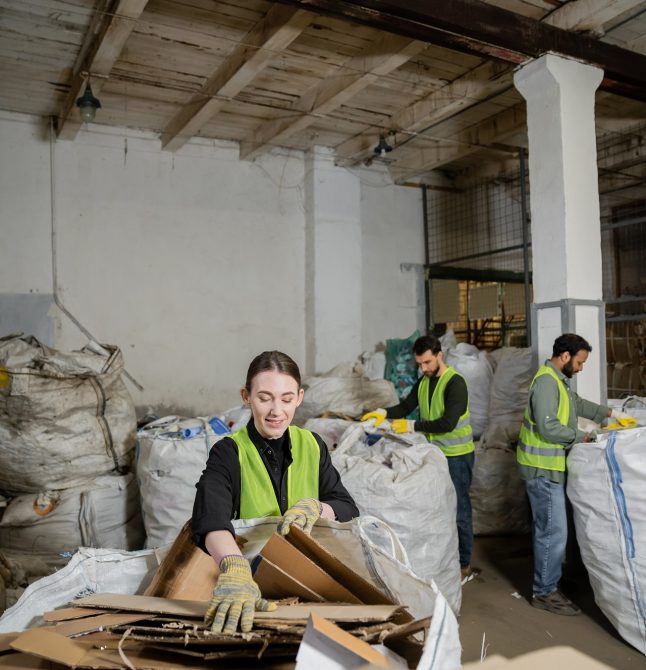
[{"x": 568, "y": 370}]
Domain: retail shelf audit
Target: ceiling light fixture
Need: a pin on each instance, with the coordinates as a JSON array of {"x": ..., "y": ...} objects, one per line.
[
  {"x": 382, "y": 147},
  {"x": 88, "y": 104}
]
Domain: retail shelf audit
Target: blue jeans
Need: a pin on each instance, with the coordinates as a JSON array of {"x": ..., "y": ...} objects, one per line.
[
  {"x": 549, "y": 532},
  {"x": 461, "y": 471}
]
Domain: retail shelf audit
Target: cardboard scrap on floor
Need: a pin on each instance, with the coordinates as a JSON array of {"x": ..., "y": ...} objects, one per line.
[{"x": 347, "y": 616}]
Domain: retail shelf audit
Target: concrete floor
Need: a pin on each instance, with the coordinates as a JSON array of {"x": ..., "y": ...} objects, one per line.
[{"x": 509, "y": 624}]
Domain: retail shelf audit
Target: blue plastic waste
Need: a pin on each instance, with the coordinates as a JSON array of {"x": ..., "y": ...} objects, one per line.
[
  {"x": 373, "y": 438},
  {"x": 219, "y": 427},
  {"x": 191, "y": 432}
]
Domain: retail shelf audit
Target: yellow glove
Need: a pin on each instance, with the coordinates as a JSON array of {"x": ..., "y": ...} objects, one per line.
[
  {"x": 403, "y": 425},
  {"x": 235, "y": 598},
  {"x": 378, "y": 415},
  {"x": 623, "y": 422},
  {"x": 303, "y": 514}
]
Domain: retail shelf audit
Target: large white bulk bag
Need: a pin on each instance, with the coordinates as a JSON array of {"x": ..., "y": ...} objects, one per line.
[
  {"x": 331, "y": 430},
  {"x": 498, "y": 497},
  {"x": 52, "y": 525},
  {"x": 405, "y": 482},
  {"x": 168, "y": 467},
  {"x": 606, "y": 488},
  {"x": 64, "y": 418},
  {"x": 477, "y": 371}
]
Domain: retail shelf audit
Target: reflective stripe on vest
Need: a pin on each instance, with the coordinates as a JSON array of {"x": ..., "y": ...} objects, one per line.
[
  {"x": 257, "y": 497},
  {"x": 532, "y": 449},
  {"x": 456, "y": 442}
]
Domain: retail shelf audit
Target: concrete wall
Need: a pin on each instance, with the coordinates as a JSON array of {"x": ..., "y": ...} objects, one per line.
[{"x": 190, "y": 262}]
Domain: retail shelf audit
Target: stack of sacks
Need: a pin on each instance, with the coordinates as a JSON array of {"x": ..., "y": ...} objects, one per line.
[
  {"x": 404, "y": 481},
  {"x": 67, "y": 437},
  {"x": 476, "y": 369},
  {"x": 497, "y": 492},
  {"x": 606, "y": 489},
  {"x": 344, "y": 390}
]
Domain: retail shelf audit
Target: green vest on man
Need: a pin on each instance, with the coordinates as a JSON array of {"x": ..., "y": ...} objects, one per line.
[
  {"x": 456, "y": 442},
  {"x": 533, "y": 449}
]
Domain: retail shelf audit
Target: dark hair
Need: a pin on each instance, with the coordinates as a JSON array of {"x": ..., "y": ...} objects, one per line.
[
  {"x": 426, "y": 343},
  {"x": 570, "y": 342},
  {"x": 272, "y": 360}
]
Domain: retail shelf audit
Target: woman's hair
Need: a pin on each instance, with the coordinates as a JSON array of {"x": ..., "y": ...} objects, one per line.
[{"x": 272, "y": 360}]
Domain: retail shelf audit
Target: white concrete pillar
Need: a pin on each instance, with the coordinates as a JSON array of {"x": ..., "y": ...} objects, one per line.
[
  {"x": 333, "y": 274},
  {"x": 564, "y": 201}
]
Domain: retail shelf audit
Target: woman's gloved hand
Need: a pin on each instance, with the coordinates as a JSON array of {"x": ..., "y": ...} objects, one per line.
[
  {"x": 304, "y": 514},
  {"x": 377, "y": 415},
  {"x": 235, "y": 598}
]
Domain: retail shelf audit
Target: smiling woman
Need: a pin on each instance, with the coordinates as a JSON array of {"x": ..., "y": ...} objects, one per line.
[{"x": 268, "y": 468}]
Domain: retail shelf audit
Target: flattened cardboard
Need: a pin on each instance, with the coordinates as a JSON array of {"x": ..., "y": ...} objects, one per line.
[
  {"x": 551, "y": 657},
  {"x": 19, "y": 661},
  {"x": 68, "y": 613},
  {"x": 289, "y": 613},
  {"x": 5, "y": 641},
  {"x": 325, "y": 646},
  {"x": 274, "y": 582},
  {"x": 284, "y": 555},
  {"x": 95, "y": 623},
  {"x": 193, "y": 609}
]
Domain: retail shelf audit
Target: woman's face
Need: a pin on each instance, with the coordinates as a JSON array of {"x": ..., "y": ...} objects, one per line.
[{"x": 273, "y": 400}]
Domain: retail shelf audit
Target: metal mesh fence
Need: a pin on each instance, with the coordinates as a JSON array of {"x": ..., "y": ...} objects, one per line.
[{"x": 475, "y": 236}]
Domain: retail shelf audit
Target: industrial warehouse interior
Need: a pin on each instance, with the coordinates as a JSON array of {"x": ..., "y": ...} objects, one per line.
[{"x": 431, "y": 218}]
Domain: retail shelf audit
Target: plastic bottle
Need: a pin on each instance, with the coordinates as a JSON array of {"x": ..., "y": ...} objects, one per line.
[{"x": 193, "y": 431}]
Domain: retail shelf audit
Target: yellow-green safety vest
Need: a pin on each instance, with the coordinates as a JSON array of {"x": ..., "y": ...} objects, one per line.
[
  {"x": 456, "y": 442},
  {"x": 532, "y": 448},
  {"x": 257, "y": 497}
]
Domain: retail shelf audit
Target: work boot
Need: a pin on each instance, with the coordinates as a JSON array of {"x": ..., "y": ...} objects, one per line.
[
  {"x": 467, "y": 573},
  {"x": 557, "y": 603}
]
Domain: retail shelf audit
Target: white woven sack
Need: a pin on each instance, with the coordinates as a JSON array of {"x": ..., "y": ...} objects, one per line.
[
  {"x": 606, "y": 488},
  {"x": 498, "y": 498},
  {"x": 349, "y": 394},
  {"x": 168, "y": 467},
  {"x": 510, "y": 387},
  {"x": 89, "y": 571},
  {"x": 64, "y": 418},
  {"x": 476, "y": 369},
  {"x": 408, "y": 486},
  {"x": 102, "y": 513},
  {"x": 331, "y": 430}
]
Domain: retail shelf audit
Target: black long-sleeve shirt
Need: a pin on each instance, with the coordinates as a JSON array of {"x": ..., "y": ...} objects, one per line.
[
  {"x": 217, "y": 500},
  {"x": 456, "y": 400}
]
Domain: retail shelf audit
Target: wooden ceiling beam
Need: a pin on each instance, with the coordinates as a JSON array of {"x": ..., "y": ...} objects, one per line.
[
  {"x": 276, "y": 31},
  {"x": 488, "y": 79},
  {"x": 494, "y": 129},
  {"x": 103, "y": 52},
  {"x": 475, "y": 27},
  {"x": 386, "y": 55}
]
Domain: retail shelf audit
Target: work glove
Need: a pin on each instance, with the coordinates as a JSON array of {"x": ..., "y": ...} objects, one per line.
[
  {"x": 303, "y": 515},
  {"x": 623, "y": 422},
  {"x": 235, "y": 598},
  {"x": 377, "y": 415},
  {"x": 403, "y": 425}
]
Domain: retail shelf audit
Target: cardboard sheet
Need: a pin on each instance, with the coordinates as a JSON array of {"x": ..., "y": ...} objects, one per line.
[
  {"x": 325, "y": 646},
  {"x": 274, "y": 582},
  {"x": 96, "y": 623},
  {"x": 291, "y": 613},
  {"x": 283, "y": 554},
  {"x": 68, "y": 613}
]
